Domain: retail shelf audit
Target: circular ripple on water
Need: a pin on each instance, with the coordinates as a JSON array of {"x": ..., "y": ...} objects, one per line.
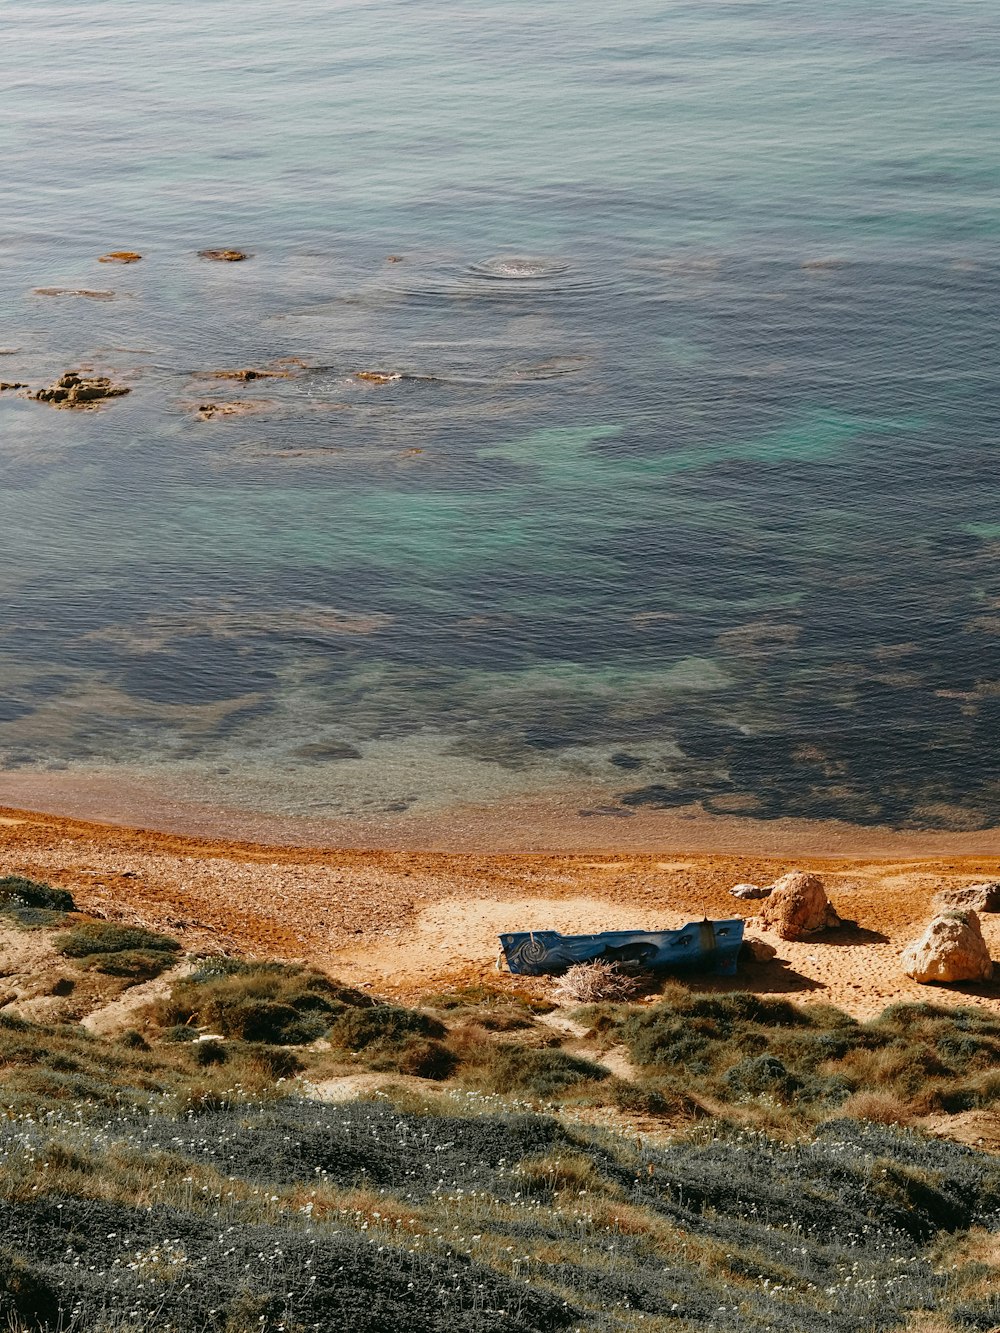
[
  {"x": 503, "y": 277},
  {"x": 520, "y": 268}
]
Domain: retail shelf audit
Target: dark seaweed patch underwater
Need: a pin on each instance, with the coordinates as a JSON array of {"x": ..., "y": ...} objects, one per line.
[{"x": 652, "y": 413}]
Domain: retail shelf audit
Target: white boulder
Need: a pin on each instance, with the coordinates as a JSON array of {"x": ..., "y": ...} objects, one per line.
[{"x": 952, "y": 948}]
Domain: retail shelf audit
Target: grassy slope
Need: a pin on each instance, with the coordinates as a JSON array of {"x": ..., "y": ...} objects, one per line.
[{"x": 155, "y": 1181}]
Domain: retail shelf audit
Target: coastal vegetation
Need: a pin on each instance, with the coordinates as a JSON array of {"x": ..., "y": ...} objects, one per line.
[{"x": 258, "y": 1147}]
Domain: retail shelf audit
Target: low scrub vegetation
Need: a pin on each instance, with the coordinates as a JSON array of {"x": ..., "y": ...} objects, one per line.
[
  {"x": 177, "y": 1178},
  {"x": 743, "y": 1049},
  {"x": 119, "y": 951},
  {"x": 32, "y": 905},
  {"x": 295, "y": 1215},
  {"x": 280, "y": 1003},
  {"x": 542, "y": 1073}
]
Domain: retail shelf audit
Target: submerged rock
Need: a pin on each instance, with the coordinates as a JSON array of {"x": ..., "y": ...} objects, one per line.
[
  {"x": 797, "y": 906},
  {"x": 120, "y": 257},
  {"x": 75, "y": 291},
  {"x": 751, "y": 890},
  {"x": 972, "y": 897},
  {"x": 245, "y": 376},
  {"x": 327, "y": 750},
  {"x": 377, "y": 376},
  {"x": 75, "y": 390},
  {"x": 206, "y": 411},
  {"x": 224, "y": 256},
  {"x": 952, "y": 948}
]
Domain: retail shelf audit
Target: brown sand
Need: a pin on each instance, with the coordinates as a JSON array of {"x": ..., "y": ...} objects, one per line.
[{"x": 409, "y": 922}]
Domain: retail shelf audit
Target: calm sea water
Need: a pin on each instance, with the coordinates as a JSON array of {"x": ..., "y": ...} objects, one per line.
[{"x": 687, "y": 488}]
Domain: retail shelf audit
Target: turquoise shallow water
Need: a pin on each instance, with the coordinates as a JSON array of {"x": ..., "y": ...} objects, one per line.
[{"x": 683, "y": 487}]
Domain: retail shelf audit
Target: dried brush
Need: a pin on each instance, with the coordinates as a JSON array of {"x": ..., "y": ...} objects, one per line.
[{"x": 588, "y": 983}]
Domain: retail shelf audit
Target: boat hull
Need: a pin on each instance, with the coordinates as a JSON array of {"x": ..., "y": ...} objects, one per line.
[{"x": 706, "y": 945}]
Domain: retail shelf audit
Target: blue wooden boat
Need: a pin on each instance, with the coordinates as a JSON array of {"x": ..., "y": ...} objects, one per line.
[{"x": 709, "y": 945}]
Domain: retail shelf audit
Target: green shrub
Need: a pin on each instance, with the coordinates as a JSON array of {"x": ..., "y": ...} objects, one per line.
[
  {"x": 421, "y": 1057},
  {"x": 47, "y": 1064},
  {"x": 496, "y": 1008},
  {"x": 135, "y": 1041},
  {"x": 272, "y": 1062},
  {"x": 31, "y": 905},
  {"x": 272, "y": 1021},
  {"x": 210, "y": 1053},
  {"x": 383, "y": 1025},
  {"x": 761, "y": 1075},
  {"x": 179, "y": 1032},
  {"x": 644, "y": 1099},
  {"x": 17, "y": 891},
  {"x": 282, "y": 1003},
  {"x": 137, "y": 964},
  {"x": 103, "y": 937},
  {"x": 545, "y": 1073},
  {"x": 811, "y": 1058}
]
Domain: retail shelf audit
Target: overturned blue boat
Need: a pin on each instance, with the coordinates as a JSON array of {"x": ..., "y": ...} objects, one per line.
[{"x": 708, "y": 945}]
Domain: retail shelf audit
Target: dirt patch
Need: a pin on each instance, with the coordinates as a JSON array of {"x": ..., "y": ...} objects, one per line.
[
  {"x": 122, "y": 1013},
  {"x": 450, "y": 936},
  {"x": 405, "y": 923},
  {"x": 977, "y": 1129},
  {"x": 351, "y": 1087}
]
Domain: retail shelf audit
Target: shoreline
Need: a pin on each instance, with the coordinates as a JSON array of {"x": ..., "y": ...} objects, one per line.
[
  {"x": 556, "y": 825},
  {"x": 407, "y": 922}
]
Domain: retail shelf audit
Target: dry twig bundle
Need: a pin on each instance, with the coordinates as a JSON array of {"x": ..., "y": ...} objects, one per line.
[{"x": 587, "y": 983}]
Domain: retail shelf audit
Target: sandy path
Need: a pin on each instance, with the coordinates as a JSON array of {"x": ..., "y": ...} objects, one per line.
[{"x": 407, "y": 922}]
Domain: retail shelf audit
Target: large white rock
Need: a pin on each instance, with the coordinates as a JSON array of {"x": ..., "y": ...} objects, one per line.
[{"x": 952, "y": 948}]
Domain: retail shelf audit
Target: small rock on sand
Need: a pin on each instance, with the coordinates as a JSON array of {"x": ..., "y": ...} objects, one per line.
[
  {"x": 797, "y": 907},
  {"x": 952, "y": 948},
  {"x": 751, "y": 890},
  {"x": 972, "y": 897},
  {"x": 759, "y": 950}
]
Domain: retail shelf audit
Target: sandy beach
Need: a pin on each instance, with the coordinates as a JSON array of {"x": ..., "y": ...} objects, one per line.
[{"x": 410, "y": 922}]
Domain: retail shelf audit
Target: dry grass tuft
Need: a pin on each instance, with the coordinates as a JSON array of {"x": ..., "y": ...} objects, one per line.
[{"x": 882, "y": 1108}]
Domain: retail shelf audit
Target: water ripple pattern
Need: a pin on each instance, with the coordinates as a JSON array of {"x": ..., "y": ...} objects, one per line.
[{"x": 606, "y": 403}]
